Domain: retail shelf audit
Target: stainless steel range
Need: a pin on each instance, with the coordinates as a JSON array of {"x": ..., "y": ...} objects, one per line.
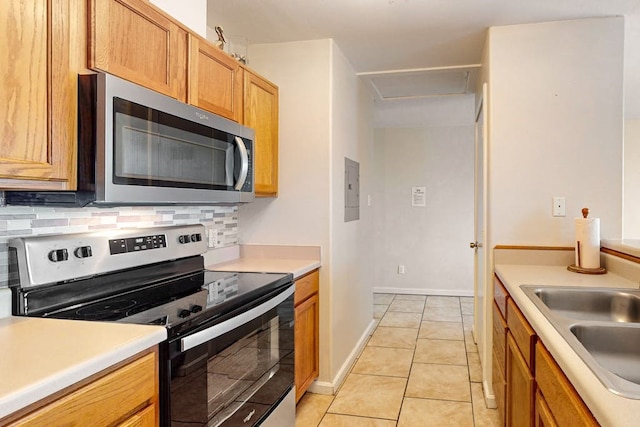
[{"x": 228, "y": 359}]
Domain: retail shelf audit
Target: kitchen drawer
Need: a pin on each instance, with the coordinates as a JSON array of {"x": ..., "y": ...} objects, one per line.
[
  {"x": 523, "y": 335},
  {"x": 105, "y": 401},
  {"x": 500, "y": 296},
  {"x": 306, "y": 286},
  {"x": 562, "y": 399},
  {"x": 499, "y": 336}
]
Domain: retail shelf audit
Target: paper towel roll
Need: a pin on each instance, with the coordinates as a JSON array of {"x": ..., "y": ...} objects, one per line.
[{"x": 588, "y": 242}]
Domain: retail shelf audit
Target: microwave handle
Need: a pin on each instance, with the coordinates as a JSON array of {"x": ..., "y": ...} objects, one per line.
[
  {"x": 244, "y": 168},
  {"x": 215, "y": 331}
]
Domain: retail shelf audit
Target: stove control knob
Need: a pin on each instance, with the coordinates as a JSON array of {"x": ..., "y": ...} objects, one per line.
[
  {"x": 196, "y": 308},
  {"x": 184, "y": 238},
  {"x": 58, "y": 255},
  {"x": 184, "y": 313},
  {"x": 83, "y": 252},
  {"x": 196, "y": 237}
]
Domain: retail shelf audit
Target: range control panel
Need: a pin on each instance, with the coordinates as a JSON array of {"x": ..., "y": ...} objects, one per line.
[
  {"x": 74, "y": 256},
  {"x": 135, "y": 244}
]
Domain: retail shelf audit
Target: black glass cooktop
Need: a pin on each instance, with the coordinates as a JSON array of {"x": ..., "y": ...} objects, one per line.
[{"x": 166, "y": 294}]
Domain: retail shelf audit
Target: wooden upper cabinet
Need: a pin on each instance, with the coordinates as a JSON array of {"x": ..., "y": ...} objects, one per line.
[
  {"x": 261, "y": 114},
  {"x": 43, "y": 52},
  {"x": 215, "y": 80},
  {"x": 133, "y": 40}
]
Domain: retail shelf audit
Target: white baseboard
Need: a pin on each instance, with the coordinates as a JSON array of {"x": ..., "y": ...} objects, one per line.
[
  {"x": 331, "y": 388},
  {"x": 489, "y": 397},
  {"x": 415, "y": 291}
]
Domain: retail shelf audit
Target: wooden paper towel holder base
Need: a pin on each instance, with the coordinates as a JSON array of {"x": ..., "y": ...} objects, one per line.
[{"x": 576, "y": 269}]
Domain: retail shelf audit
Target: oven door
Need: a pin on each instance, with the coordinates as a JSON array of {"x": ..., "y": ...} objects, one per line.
[{"x": 238, "y": 372}]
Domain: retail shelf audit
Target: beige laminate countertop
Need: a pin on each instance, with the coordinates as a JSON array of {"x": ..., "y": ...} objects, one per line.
[
  {"x": 298, "y": 260},
  {"x": 299, "y": 267},
  {"x": 42, "y": 356},
  {"x": 608, "y": 408}
]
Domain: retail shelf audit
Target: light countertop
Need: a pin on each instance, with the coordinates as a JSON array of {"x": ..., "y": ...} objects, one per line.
[
  {"x": 42, "y": 356},
  {"x": 608, "y": 408},
  {"x": 298, "y": 260},
  {"x": 299, "y": 267}
]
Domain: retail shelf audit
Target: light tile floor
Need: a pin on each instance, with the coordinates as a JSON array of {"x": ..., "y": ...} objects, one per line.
[{"x": 420, "y": 368}]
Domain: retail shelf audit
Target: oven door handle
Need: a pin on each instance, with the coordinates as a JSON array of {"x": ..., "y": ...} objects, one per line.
[{"x": 215, "y": 331}]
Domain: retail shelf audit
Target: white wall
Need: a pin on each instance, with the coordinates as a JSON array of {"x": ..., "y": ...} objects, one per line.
[
  {"x": 555, "y": 102},
  {"x": 324, "y": 116},
  {"x": 351, "y": 242},
  {"x": 192, "y": 13},
  {"x": 432, "y": 242},
  {"x": 555, "y": 129},
  {"x": 631, "y": 219}
]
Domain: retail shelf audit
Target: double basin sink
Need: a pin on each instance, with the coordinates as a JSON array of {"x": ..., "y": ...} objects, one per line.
[{"x": 602, "y": 325}]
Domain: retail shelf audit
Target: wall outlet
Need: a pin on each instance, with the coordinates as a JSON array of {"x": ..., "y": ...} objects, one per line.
[
  {"x": 559, "y": 206},
  {"x": 213, "y": 240},
  {"x": 400, "y": 269}
]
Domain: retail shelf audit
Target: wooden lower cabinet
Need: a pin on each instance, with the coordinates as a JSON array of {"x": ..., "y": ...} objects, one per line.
[
  {"x": 499, "y": 361},
  {"x": 537, "y": 391},
  {"x": 520, "y": 387},
  {"x": 307, "y": 310},
  {"x": 561, "y": 400},
  {"x": 124, "y": 396},
  {"x": 543, "y": 416}
]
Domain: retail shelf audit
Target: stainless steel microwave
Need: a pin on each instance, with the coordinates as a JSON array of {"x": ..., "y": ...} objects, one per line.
[{"x": 137, "y": 146}]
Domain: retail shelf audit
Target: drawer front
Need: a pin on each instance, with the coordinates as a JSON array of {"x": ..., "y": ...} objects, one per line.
[
  {"x": 106, "y": 401},
  {"x": 562, "y": 399},
  {"x": 500, "y": 296},
  {"x": 499, "y": 337},
  {"x": 523, "y": 334},
  {"x": 307, "y": 286}
]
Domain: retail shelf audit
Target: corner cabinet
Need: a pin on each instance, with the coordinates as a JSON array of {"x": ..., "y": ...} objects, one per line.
[
  {"x": 135, "y": 41},
  {"x": 43, "y": 44},
  {"x": 307, "y": 347},
  {"x": 126, "y": 395},
  {"x": 261, "y": 114},
  {"x": 536, "y": 391}
]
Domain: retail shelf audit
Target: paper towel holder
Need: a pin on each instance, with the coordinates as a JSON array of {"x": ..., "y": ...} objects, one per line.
[{"x": 578, "y": 269}]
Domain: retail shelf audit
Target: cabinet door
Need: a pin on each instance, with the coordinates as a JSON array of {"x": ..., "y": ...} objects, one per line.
[
  {"x": 134, "y": 41},
  {"x": 543, "y": 418},
  {"x": 520, "y": 387},
  {"x": 499, "y": 359},
  {"x": 144, "y": 418},
  {"x": 106, "y": 401},
  {"x": 261, "y": 114},
  {"x": 562, "y": 400},
  {"x": 306, "y": 344},
  {"x": 41, "y": 43},
  {"x": 215, "y": 80}
]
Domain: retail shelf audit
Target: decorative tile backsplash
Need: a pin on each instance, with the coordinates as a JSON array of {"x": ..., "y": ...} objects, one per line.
[{"x": 26, "y": 221}]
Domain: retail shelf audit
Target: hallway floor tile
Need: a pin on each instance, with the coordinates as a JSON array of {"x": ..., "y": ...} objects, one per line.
[{"x": 420, "y": 367}]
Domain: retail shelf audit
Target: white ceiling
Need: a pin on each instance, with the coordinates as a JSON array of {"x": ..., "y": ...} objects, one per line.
[{"x": 417, "y": 48}]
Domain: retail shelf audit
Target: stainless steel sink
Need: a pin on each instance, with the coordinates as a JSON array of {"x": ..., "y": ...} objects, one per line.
[
  {"x": 602, "y": 325},
  {"x": 616, "y": 348},
  {"x": 614, "y": 305}
]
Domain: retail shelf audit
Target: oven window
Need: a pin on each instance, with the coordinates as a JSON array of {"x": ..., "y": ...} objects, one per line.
[
  {"x": 155, "y": 148},
  {"x": 238, "y": 378}
]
